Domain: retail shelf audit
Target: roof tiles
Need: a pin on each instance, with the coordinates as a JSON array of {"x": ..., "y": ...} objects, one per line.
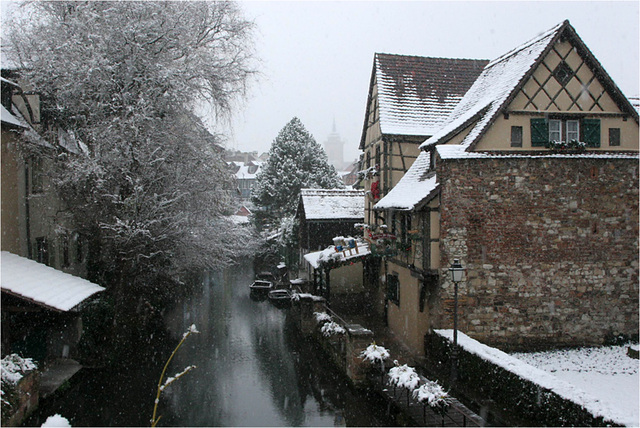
[{"x": 416, "y": 94}]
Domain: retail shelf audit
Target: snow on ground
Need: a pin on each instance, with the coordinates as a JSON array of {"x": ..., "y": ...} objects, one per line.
[
  {"x": 606, "y": 373},
  {"x": 56, "y": 421},
  {"x": 595, "y": 400}
]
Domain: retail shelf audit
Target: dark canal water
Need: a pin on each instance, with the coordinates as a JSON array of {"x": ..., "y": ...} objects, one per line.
[{"x": 252, "y": 370}]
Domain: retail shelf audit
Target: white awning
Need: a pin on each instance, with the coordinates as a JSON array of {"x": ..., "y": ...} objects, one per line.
[{"x": 42, "y": 284}]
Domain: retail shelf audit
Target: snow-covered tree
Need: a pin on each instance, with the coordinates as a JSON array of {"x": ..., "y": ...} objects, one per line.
[
  {"x": 296, "y": 161},
  {"x": 127, "y": 78}
]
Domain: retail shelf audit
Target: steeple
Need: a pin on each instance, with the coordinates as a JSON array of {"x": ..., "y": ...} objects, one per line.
[{"x": 334, "y": 146}]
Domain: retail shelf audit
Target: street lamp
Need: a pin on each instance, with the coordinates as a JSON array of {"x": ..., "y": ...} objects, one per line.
[{"x": 457, "y": 272}]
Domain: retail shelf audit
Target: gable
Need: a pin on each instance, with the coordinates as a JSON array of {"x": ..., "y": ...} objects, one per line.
[
  {"x": 564, "y": 82},
  {"x": 555, "y": 78}
]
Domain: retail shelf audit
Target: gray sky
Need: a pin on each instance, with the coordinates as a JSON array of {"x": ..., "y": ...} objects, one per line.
[{"x": 317, "y": 56}]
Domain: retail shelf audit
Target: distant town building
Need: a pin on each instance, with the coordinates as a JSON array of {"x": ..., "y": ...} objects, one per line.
[{"x": 334, "y": 146}]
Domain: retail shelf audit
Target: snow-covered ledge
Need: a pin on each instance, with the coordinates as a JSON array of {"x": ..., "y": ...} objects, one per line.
[{"x": 537, "y": 376}]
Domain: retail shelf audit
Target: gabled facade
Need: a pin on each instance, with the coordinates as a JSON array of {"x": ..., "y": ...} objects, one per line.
[
  {"x": 409, "y": 98},
  {"x": 532, "y": 182},
  {"x": 326, "y": 213},
  {"x": 35, "y": 225}
]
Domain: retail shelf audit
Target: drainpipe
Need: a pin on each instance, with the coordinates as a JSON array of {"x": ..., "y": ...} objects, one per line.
[{"x": 26, "y": 210}]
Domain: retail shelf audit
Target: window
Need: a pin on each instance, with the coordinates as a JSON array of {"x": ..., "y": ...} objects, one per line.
[
  {"x": 65, "y": 251},
  {"x": 555, "y": 130},
  {"x": 545, "y": 130},
  {"x": 393, "y": 288},
  {"x": 573, "y": 130},
  {"x": 36, "y": 176},
  {"x": 432, "y": 159},
  {"x": 516, "y": 136},
  {"x": 42, "y": 250},
  {"x": 614, "y": 136}
]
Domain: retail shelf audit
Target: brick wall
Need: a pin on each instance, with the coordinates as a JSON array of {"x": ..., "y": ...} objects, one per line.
[{"x": 551, "y": 248}]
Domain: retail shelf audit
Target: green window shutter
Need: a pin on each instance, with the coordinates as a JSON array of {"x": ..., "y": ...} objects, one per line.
[
  {"x": 539, "y": 132},
  {"x": 591, "y": 132}
]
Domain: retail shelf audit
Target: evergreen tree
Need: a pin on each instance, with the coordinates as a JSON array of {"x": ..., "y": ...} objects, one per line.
[{"x": 296, "y": 161}]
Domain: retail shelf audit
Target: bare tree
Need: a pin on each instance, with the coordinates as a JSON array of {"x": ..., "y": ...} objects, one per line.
[{"x": 125, "y": 77}]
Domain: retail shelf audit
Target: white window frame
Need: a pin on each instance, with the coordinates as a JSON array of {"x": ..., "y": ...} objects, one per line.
[
  {"x": 561, "y": 130},
  {"x": 573, "y": 134},
  {"x": 555, "y": 130}
]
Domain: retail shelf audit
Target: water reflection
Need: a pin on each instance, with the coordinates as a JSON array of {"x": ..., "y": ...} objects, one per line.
[{"x": 252, "y": 369}]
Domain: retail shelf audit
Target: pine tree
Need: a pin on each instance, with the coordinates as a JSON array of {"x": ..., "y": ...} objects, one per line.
[{"x": 296, "y": 161}]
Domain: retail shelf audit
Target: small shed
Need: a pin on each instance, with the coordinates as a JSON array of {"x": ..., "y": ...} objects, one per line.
[
  {"x": 325, "y": 213},
  {"x": 40, "y": 308}
]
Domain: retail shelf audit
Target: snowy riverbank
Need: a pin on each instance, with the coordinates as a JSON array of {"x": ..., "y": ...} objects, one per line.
[{"x": 607, "y": 374}]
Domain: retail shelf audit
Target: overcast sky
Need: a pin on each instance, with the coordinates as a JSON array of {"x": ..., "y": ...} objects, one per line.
[{"x": 317, "y": 56}]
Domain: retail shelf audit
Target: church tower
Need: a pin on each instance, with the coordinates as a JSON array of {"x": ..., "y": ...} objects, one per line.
[{"x": 334, "y": 146}]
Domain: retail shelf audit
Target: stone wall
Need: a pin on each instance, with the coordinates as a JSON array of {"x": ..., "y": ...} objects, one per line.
[{"x": 551, "y": 248}]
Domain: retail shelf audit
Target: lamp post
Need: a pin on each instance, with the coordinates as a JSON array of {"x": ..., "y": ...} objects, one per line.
[{"x": 457, "y": 272}]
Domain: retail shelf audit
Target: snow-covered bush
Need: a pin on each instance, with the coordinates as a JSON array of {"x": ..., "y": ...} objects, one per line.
[
  {"x": 432, "y": 394},
  {"x": 13, "y": 368},
  {"x": 322, "y": 317},
  {"x": 375, "y": 354},
  {"x": 404, "y": 376},
  {"x": 332, "y": 328}
]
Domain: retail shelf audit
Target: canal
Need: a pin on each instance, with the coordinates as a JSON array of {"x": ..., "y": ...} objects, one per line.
[{"x": 252, "y": 370}]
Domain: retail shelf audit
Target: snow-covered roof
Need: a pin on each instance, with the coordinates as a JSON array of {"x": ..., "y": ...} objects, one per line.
[
  {"x": 42, "y": 284},
  {"x": 331, "y": 204},
  {"x": 537, "y": 376},
  {"x": 9, "y": 118},
  {"x": 635, "y": 102},
  {"x": 414, "y": 187},
  {"x": 455, "y": 151},
  {"x": 416, "y": 94},
  {"x": 490, "y": 91},
  {"x": 329, "y": 254},
  {"x": 248, "y": 171},
  {"x": 501, "y": 78}
]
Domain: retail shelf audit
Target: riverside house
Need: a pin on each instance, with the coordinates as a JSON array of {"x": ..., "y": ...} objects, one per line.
[{"x": 532, "y": 183}]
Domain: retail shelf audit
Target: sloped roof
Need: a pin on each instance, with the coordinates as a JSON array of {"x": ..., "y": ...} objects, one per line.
[
  {"x": 502, "y": 78},
  {"x": 42, "y": 284},
  {"x": 7, "y": 118},
  {"x": 416, "y": 94},
  {"x": 417, "y": 185},
  {"x": 332, "y": 204}
]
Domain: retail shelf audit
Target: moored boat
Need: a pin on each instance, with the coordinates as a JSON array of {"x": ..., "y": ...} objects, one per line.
[
  {"x": 280, "y": 298},
  {"x": 260, "y": 288}
]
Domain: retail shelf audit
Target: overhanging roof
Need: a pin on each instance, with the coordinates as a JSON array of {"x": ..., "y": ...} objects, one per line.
[{"x": 43, "y": 285}]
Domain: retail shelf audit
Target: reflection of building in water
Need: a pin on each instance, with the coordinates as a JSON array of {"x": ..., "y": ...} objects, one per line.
[{"x": 334, "y": 146}]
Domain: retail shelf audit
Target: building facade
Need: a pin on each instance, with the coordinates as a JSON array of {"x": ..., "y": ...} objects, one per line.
[{"x": 532, "y": 183}]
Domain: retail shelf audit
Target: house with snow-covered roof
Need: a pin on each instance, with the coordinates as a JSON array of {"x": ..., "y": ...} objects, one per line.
[
  {"x": 323, "y": 214},
  {"x": 409, "y": 97},
  {"x": 532, "y": 183},
  {"x": 245, "y": 174},
  {"x": 43, "y": 256}
]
